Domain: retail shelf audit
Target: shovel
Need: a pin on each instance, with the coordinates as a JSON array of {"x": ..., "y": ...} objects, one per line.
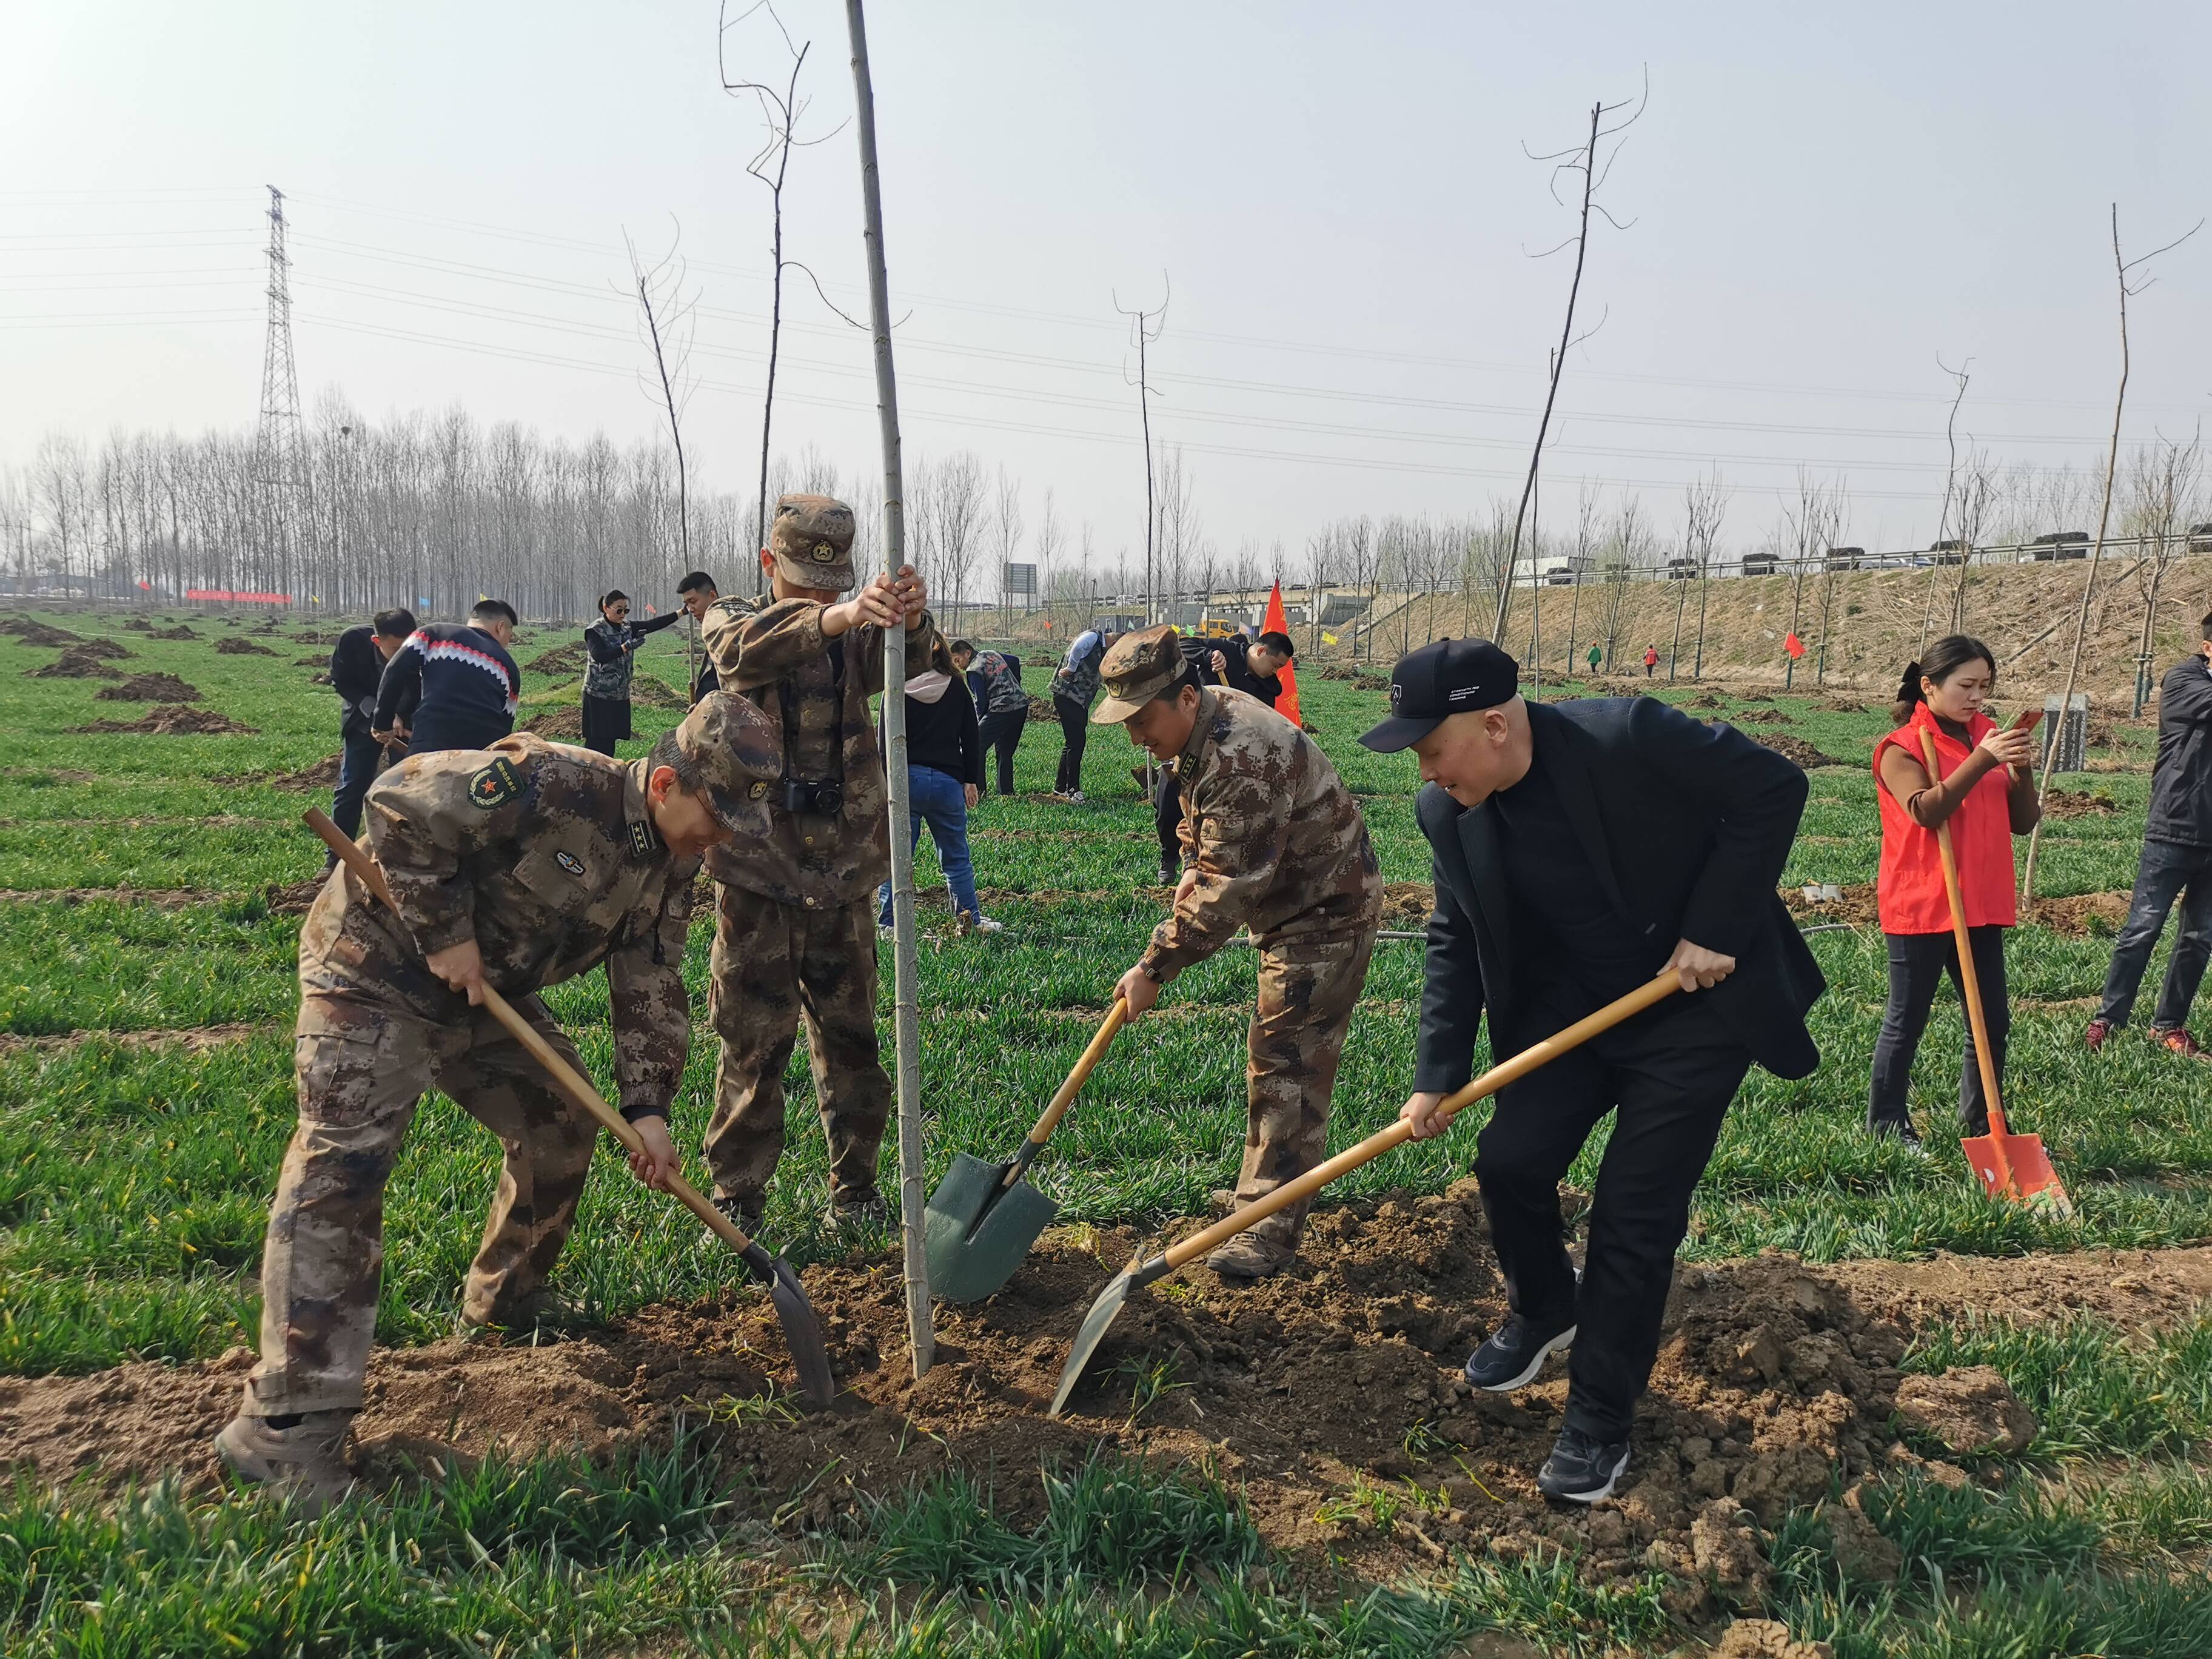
[
  {"x": 802, "y": 1331},
  {"x": 1141, "y": 1272},
  {"x": 2011, "y": 1166},
  {"x": 984, "y": 1218}
]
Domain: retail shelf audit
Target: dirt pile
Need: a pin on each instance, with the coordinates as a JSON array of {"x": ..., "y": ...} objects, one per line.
[
  {"x": 2076, "y": 916},
  {"x": 179, "y": 632},
  {"x": 316, "y": 661},
  {"x": 240, "y": 647},
  {"x": 2063, "y": 804},
  {"x": 562, "y": 725},
  {"x": 137, "y": 624},
  {"x": 1761, "y": 717},
  {"x": 561, "y": 660},
  {"x": 169, "y": 721},
  {"x": 1042, "y": 710},
  {"x": 1312, "y": 1394},
  {"x": 647, "y": 692},
  {"x": 150, "y": 688},
  {"x": 1408, "y": 903},
  {"x": 291, "y": 898},
  {"x": 77, "y": 663},
  {"x": 1795, "y": 749},
  {"x": 31, "y": 631}
]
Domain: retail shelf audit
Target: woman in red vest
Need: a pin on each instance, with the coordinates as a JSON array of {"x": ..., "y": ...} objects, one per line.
[{"x": 1987, "y": 795}]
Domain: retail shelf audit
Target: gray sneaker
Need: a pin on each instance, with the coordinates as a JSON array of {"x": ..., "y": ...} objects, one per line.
[{"x": 305, "y": 1461}]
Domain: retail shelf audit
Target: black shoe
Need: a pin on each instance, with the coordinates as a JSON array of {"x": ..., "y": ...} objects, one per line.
[
  {"x": 1904, "y": 1135},
  {"x": 743, "y": 1213},
  {"x": 1581, "y": 1470},
  {"x": 1169, "y": 875},
  {"x": 1514, "y": 1353}
]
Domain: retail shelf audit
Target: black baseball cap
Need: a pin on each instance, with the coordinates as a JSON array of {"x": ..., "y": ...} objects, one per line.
[{"x": 1447, "y": 676}]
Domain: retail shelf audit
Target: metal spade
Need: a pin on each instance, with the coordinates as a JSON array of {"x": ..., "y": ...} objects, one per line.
[
  {"x": 802, "y": 1331},
  {"x": 984, "y": 1218},
  {"x": 1142, "y": 1272}
]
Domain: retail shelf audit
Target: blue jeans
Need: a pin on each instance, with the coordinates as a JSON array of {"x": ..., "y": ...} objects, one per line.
[
  {"x": 938, "y": 798},
  {"x": 363, "y": 755},
  {"x": 2165, "y": 871}
]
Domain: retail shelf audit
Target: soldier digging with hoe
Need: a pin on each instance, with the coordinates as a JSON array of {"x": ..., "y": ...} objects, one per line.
[
  {"x": 1274, "y": 842},
  {"x": 795, "y": 928},
  {"x": 516, "y": 867},
  {"x": 1581, "y": 850}
]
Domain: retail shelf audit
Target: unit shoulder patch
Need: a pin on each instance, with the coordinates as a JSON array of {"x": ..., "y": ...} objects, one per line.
[{"x": 496, "y": 785}]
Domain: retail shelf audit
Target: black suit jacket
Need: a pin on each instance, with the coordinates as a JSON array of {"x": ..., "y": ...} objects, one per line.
[{"x": 1687, "y": 826}]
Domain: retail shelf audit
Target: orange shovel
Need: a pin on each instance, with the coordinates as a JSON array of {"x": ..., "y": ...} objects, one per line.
[{"x": 2011, "y": 1166}]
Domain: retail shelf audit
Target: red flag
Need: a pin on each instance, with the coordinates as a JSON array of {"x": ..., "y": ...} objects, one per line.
[
  {"x": 1287, "y": 699},
  {"x": 1793, "y": 645}
]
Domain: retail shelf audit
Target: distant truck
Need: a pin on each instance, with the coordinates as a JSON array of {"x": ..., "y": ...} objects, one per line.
[
  {"x": 2060, "y": 545},
  {"x": 1845, "y": 558},
  {"x": 1761, "y": 564},
  {"x": 1950, "y": 552},
  {"x": 1554, "y": 571}
]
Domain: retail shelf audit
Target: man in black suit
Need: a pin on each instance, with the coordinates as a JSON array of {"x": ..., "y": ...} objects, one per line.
[
  {"x": 1581, "y": 850},
  {"x": 356, "y": 669}
]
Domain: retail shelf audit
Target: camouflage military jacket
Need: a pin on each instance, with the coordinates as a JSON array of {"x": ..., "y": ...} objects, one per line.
[
  {"x": 1276, "y": 840},
  {"x": 547, "y": 857},
  {"x": 773, "y": 651}
]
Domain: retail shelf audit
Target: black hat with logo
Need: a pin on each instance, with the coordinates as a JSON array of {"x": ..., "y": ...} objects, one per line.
[{"x": 1447, "y": 677}]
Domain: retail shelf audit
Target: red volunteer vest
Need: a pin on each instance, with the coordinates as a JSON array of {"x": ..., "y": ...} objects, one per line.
[{"x": 1910, "y": 886}]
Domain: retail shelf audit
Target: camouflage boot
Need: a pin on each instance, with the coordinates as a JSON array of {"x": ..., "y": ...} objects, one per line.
[{"x": 305, "y": 1460}]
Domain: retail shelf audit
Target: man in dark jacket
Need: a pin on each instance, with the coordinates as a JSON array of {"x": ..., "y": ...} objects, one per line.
[
  {"x": 357, "y": 667},
  {"x": 2176, "y": 862},
  {"x": 451, "y": 686},
  {"x": 697, "y": 594},
  {"x": 1581, "y": 850}
]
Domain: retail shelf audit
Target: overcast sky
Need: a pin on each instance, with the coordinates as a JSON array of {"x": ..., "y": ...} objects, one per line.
[{"x": 1819, "y": 201}]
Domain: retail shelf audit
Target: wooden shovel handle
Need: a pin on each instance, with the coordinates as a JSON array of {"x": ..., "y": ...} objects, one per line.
[
  {"x": 1375, "y": 1145},
  {"x": 1976, "y": 1020},
  {"x": 565, "y": 1077},
  {"x": 1064, "y": 1097}
]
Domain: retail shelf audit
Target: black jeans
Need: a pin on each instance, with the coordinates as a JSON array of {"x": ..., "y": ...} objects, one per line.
[
  {"x": 363, "y": 760},
  {"x": 1074, "y": 732},
  {"x": 1003, "y": 732},
  {"x": 2165, "y": 869},
  {"x": 1167, "y": 818},
  {"x": 1667, "y": 1075},
  {"x": 1917, "y": 963}
]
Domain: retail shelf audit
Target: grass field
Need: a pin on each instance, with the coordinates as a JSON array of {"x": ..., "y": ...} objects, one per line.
[{"x": 145, "y": 993}]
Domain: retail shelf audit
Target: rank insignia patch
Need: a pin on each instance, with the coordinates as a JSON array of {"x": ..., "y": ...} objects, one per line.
[
  {"x": 571, "y": 863},
  {"x": 496, "y": 785},
  {"x": 642, "y": 842}
]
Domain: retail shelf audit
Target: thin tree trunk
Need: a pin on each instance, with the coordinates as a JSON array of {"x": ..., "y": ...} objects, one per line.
[{"x": 906, "y": 1010}]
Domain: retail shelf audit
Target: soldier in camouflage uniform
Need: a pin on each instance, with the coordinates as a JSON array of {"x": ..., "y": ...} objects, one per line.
[
  {"x": 795, "y": 931},
  {"x": 1272, "y": 841},
  {"x": 516, "y": 867}
]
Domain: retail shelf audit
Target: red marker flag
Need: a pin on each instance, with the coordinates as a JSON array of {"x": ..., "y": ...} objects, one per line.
[
  {"x": 1287, "y": 699},
  {"x": 1793, "y": 646}
]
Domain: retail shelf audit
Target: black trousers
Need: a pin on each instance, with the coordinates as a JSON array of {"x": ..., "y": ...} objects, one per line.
[
  {"x": 1167, "y": 818},
  {"x": 1074, "y": 732},
  {"x": 2165, "y": 872},
  {"x": 1003, "y": 734},
  {"x": 363, "y": 760},
  {"x": 1668, "y": 1077},
  {"x": 1917, "y": 963}
]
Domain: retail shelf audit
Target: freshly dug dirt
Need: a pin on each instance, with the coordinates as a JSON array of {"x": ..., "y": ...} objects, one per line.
[
  {"x": 150, "y": 688},
  {"x": 318, "y": 660},
  {"x": 323, "y": 774},
  {"x": 1042, "y": 710},
  {"x": 1408, "y": 903},
  {"x": 79, "y": 662},
  {"x": 31, "y": 631},
  {"x": 138, "y": 624},
  {"x": 2077, "y": 915},
  {"x": 179, "y": 632},
  {"x": 2076, "y": 803},
  {"x": 240, "y": 647},
  {"x": 647, "y": 692},
  {"x": 1856, "y": 906},
  {"x": 562, "y": 725},
  {"x": 1773, "y": 1376},
  {"x": 562, "y": 660},
  {"x": 1761, "y": 717},
  {"x": 1797, "y": 749},
  {"x": 169, "y": 721},
  {"x": 293, "y": 899}
]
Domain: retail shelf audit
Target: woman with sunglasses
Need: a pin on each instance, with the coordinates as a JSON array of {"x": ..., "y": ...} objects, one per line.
[{"x": 613, "y": 641}]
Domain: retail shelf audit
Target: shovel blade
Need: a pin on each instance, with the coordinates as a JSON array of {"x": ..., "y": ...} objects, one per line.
[
  {"x": 802, "y": 1331},
  {"x": 971, "y": 1255},
  {"x": 2034, "y": 1181},
  {"x": 1101, "y": 1314}
]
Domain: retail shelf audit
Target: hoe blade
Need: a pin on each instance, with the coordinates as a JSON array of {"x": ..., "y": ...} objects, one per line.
[
  {"x": 802, "y": 1331},
  {"x": 977, "y": 1229},
  {"x": 1101, "y": 1314},
  {"x": 2034, "y": 1181}
]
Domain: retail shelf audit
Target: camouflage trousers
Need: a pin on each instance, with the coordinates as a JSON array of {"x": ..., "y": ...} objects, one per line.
[
  {"x": 1308, "y": 989},
  {"x": 772, "y": 964},
  {"x": 361, "y": 1068}
]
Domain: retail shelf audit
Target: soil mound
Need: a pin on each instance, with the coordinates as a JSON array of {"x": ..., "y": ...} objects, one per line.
[
  {"x": 562, "y": 660},
  {"x": 2077, "y": 804},
  {"x": 291, "y": 898},
  {"x": 150, "y": 688},
  {"x": 31, "y": 631},
  {"x": 315, "y": 661},
  {"x": 2077, "y": 915},
  {"x": 169, "y": 721},
  {"x": 1042, "y": 710},
  {"x": 179, "y": 632},
  {"x": 75, "y": 664},
  {"x": 1408, "y": 903},
  {"x": 241, "y": 647},
  {"x": 647, "y": 692},
  {"x": 137, "y": 624},
  {"x": 1339, "y": 1375},
  {"x": 1762, "y": 717},
  {"x": 1795, "y": 749},
  {"x": 562, "y": 725}
]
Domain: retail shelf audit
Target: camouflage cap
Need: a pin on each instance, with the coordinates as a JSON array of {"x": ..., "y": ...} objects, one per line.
[
  {"x": 1137, "y": 669},
  {"x": 812, "y": 536},
  {"x": 730, "y": 747}
]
